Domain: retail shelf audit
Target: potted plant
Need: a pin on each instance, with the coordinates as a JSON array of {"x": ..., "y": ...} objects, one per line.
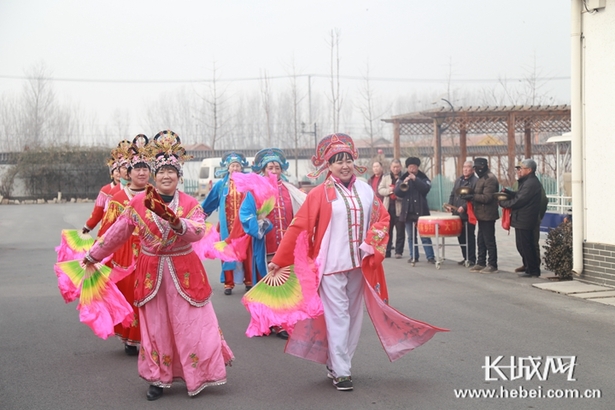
[{"x": 558, "y": 251}]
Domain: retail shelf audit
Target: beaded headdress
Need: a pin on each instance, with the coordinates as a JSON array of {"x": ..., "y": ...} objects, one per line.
[
  {"x": 227, "y": 159},
  {"x": 120, "y": 155},
  {"x": 140, "y": 152},
  {"x": 167, "y": 150},
  {"x": 328, "y": 147},
  {"x": 267, "y": 155}
]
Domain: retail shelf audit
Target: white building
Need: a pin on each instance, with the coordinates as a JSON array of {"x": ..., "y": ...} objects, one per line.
[{"x": 593, "y": 143}]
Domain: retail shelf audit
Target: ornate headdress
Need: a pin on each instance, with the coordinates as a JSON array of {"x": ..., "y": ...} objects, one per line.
[
  {"x": 167, "y": 150},
  {"x": 267, "y": 155},
  {"x": 227, "y": 159},
  {"x": 120, "y": 155},
  {"x": 140, "y": 152},
  {"x": 328, "y": 147}
]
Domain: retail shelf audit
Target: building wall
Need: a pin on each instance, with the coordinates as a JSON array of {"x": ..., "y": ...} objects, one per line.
[{"x": 599, "y": 144}]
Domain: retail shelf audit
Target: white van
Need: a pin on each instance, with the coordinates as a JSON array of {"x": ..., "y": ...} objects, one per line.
[{"x": 207, "y": 174}]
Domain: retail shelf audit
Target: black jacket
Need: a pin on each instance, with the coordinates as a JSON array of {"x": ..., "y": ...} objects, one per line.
[
  {"x": 525, "y": 203},
  {"x": 414, "y": 200},
  {"x": 456, "y": 200},
  {"x": 485, "y": 205}
]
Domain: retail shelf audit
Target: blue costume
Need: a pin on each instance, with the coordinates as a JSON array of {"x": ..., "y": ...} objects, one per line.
[{"x": 217, "y": 200}]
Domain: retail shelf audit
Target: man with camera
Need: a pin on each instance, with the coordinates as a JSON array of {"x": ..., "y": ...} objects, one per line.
[{"x": 412, "y": 187}]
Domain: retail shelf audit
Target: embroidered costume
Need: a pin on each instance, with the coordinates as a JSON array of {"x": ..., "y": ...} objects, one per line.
[
  {"x": 181, "y": 338},
  {"x": 346, "y": 227},
  {"x": 265, "y": 240},
  {"x": 126, "y": 255},
  {"x": 226, "y": 199},
  {"x": 119, "y": 158}
]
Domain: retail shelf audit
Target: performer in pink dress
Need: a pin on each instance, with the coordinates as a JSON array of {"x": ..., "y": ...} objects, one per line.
[
  {"x": 346, "y": 226},
  {"x": 138, "y": 165},
  {"x": 180, "y": 336},
  {"x": 117, "y": 168}
]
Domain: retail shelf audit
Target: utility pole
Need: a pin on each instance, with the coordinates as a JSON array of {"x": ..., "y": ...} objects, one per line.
[{"x": 314, "y": 133}]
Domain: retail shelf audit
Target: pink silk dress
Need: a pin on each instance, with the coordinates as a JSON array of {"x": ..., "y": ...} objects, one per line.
[{"x": 180, "y": 336}]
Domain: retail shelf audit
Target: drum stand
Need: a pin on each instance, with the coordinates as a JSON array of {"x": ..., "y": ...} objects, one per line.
[{"x": 437, "y": 245}]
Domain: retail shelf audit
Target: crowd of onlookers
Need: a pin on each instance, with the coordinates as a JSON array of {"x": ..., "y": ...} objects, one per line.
[{"x": 476, "y": 198}]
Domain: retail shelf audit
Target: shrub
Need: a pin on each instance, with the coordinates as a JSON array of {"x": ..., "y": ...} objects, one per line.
[{"x": 558, "y": 251}]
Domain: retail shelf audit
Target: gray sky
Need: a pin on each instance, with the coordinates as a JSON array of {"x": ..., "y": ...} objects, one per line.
[{"x": 180, "y": 40}]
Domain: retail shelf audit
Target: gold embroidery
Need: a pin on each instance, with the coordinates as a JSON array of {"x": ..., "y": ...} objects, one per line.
[
  {"x": 149, "y": 283},
  {"x": 195, "y": 360}
]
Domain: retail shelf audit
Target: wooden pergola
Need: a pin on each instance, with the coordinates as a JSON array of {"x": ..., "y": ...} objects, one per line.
[{"x": 509, "y": 120}]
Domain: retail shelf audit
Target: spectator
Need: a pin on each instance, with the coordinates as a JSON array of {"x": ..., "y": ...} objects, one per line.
[
  {"x": 412, "y": 187},
  {"x": 374, "y": 180},
  {"x": 393, "y": 205},
  {"x": 460, "y": 207},
  {"x": 525, "y": 206},
  {"x": 544, "y": 202},
  {"x": 486, "y": 211}
]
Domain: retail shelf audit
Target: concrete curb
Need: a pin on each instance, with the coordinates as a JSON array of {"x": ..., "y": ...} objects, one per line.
[{"x": 595, "y": 293}]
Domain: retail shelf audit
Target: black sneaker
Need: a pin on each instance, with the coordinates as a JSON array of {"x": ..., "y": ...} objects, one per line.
[
  {"x": 154, "y": 393},
  {"x": 131, "y": 350},
  {"x": 343, "y": 383},
  {"x": 431, "y": 260},
  {"x": 228, "y": 291},
  {"x": 330, "y": 373}
]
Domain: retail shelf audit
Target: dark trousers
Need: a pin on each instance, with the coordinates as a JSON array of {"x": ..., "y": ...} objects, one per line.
[
  {"x": 527, "y": 249},
  {"x": 486, "y": 244},
  {"x": 536, "y": 244},
  {"x": 400, "y": 234},
  {"x": 536, "y": 241},
  {"x": 468, "y": 250}
]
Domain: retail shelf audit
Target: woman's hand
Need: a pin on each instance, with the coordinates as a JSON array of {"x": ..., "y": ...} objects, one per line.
[
  {"x": 273, "y": 268},
  {"x": 88, "y": 261}
]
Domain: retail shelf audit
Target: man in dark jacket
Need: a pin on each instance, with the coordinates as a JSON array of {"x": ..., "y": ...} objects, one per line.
[
  {"x": 486, "y": 210},
  {"x": 525, "y": 207},
  {"x": 544, "y": 203},
  {"x": 460, "y": 207},
  {"x": 412, "y": 188}
]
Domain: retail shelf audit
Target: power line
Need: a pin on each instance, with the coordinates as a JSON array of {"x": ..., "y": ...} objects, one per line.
[{"x": 347, "y": 77}]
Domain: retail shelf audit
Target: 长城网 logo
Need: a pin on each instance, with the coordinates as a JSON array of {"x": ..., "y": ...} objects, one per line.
[{"x": 529, "y": 367}]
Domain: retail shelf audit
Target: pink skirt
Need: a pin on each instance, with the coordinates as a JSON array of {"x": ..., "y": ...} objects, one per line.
[{"x": 181, "y": 342}]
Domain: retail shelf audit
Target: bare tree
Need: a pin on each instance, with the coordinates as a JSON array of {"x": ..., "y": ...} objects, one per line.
[
  {"x": 370, "y": 111},
  {"x": 212, "y": 111},
  {"x": 266, "y": 103},
  {"x": 12, "y": 140},
  {"x": 336, "y": 98},
  {"x": 295, "y": 105},
  {"x": 39, "y": 105}
]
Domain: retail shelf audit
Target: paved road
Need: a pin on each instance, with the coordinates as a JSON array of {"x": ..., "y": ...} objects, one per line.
[{"x": 48, "y": 360}]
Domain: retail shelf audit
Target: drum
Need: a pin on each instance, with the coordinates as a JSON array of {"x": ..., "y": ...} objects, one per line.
[{"x": 448, "y": 225}]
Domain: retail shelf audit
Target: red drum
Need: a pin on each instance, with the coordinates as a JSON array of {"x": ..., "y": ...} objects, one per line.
[{"x": 449, "y": 225}]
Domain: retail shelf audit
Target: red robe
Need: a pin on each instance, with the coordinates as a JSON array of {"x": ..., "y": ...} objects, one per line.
[
  {"x": 125, "y": 256},
  {"x": 100, "y": 206}
]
